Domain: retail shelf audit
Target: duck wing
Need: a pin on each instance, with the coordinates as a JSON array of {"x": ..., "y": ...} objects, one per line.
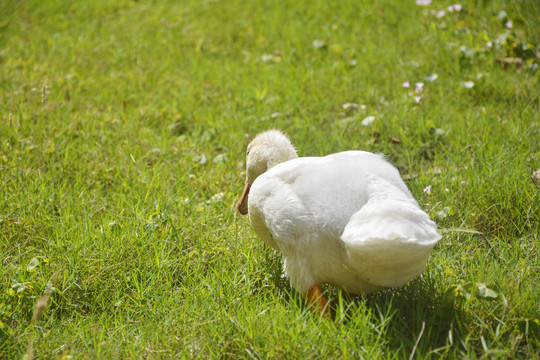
[{"x": 389, "y": 238}]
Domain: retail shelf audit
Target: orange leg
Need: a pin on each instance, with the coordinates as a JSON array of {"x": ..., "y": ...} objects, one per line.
[{"x": 318, "y": 302}]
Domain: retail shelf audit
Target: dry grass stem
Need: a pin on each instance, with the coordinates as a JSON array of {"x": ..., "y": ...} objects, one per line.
[
  {"x": 44, "y": 93},
  {"x": 417, "y": 340},
  {"x": 40, "y": 307}
]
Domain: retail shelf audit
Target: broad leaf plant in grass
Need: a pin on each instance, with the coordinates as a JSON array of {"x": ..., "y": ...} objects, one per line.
[{"x": 123, "y": 127}]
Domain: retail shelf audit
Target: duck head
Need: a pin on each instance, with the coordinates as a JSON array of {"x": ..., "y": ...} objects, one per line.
[{"x": 267, "y": 149}]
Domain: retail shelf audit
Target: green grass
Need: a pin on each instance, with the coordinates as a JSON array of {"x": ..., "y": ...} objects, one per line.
[{"x": 123, "y": 128}]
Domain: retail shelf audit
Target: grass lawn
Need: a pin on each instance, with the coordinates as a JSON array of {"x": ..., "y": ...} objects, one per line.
[{"x": 123, "y": 127}]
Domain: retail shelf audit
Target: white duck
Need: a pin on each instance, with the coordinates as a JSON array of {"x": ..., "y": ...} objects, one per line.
[{"x": 346, "y": 219}]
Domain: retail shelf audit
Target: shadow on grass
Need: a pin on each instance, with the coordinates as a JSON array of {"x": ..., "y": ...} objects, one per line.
[{"x": 415, "y": 318}]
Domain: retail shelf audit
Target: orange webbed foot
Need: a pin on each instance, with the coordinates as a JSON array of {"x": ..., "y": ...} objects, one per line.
[{"x": 318, "y": 302}]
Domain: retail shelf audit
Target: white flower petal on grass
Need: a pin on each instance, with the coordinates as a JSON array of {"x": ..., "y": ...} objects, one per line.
[
  {"x": 406, "y": 84},
  {"x": 427, "y": 189},
  {"x": 267, "y": 57},
  {"x": 200, "y": 159},
  {"x": 318, "y": 44},
  {"x": 219, "y": 158},
  {"x": 431, "y": 78},
  {"x": 489, "y": 44},
  {"x": 368, "y": 120},
  {"x": 418, "y": 87},
  {"x": 467, "y": 84},
  {"x": 455, "y": 7},
  {"x": 440, "y": 14},
  {"x": 423, "y": 2},
  {"x": 32, "y": 264},
  {"x": 508, "y": 24},
  {"x": 363, "y": 107},
  {"x": 347, "y": 106},
  {"x": 417, "y": 99},
  {"x": 214, "y": 199},
  {"x": 217, "y": 197}
]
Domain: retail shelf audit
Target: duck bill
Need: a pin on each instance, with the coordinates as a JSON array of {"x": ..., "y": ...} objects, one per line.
[{"x": 242, "y": 206}]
